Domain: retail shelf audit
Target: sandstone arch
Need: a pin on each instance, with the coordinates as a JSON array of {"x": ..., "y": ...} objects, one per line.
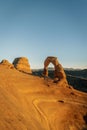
[{"x": 59, "y": 74}]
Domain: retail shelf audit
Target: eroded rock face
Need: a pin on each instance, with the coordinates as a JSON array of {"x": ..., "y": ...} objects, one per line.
[
  {"x": 7, "y": 64},
  {"x": 59, "y": 74},
  {"x": 22, "y": 64}
]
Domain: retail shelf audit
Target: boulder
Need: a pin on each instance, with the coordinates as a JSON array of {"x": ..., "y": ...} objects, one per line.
[
  {"x": 22, "y": 64},
  {"x": 7, "y": 64}
]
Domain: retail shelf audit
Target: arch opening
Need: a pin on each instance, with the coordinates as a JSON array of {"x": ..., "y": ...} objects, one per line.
[{"x": 51, "y": 69}]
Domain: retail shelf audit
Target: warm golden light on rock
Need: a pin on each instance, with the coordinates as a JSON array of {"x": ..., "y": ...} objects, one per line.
[{"x": 29, "y": 102}]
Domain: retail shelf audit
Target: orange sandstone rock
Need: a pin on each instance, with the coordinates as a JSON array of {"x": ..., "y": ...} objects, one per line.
[
  {"x": 59, "y": 74},
  {"x": 22, "y": 64},
  {"x": 7, "y": 64}
]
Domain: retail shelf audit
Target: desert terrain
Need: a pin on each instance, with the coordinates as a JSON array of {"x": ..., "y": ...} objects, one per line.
[
  {"x": 30, "y": 102},
  {"x": 75, "y": 77}
]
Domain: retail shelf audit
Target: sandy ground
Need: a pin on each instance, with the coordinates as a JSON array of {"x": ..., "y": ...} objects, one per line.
[{"x": 29, "y": 102}]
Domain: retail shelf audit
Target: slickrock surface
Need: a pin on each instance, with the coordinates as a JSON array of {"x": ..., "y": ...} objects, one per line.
[{"x": 29, "y": 102}]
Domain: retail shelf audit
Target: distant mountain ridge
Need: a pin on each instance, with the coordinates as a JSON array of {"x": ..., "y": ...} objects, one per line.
[
  {"x": 80, "y": 73},
  {"x": 77, "y": 72}
]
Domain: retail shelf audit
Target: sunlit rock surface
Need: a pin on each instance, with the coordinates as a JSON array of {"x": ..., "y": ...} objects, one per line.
[
  {"x": 29, "y": 102},
  {"x": 22, "y": 64}
]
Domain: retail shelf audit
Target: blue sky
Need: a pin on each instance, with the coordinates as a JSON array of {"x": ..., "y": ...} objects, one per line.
[{"x": 39, "y": 28}]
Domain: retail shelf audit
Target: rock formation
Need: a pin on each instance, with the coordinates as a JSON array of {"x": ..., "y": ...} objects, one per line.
[
  {"x": 22, "y": 64},
  {"x": 59, "y": 74},
  {"x": 7, "y": 64}
]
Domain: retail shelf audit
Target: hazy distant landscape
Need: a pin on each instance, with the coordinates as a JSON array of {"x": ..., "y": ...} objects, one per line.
[
  {"x": 76, "y": 77},
  {"x": 80, "y": 73}
]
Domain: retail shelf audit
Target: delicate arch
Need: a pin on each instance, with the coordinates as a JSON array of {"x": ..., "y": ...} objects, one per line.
[
  {"x": 58, "y": 69},
  {"x": 49, "y": 60}
]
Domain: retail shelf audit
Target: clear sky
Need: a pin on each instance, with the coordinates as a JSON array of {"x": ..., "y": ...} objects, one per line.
[{"x": 39, "y": 28}]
